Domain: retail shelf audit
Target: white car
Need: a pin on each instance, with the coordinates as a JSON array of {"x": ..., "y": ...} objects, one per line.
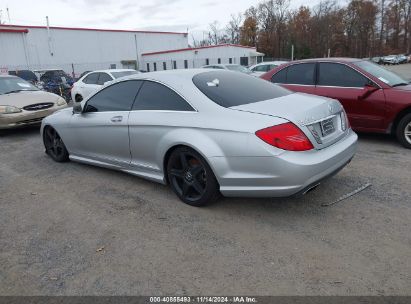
[
  {"x": 390, "y": 59},
  {"x": 93, "y": 81},
  {"x": 263, "y": 67},
  {"x": 230, "y": 67}
]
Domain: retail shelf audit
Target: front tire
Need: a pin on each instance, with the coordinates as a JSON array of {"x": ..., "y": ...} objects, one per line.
[
  {"x": 54, "y": 145},
  {"x": 404, "y": 131},
  {"x": 191, "y": 178}
]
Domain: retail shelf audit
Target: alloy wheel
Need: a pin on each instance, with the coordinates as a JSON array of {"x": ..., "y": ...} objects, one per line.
[
  {"x": 54, "y": 145},
  {"x": 188, "y": 176},
  {"x": 407, "y": 132}
]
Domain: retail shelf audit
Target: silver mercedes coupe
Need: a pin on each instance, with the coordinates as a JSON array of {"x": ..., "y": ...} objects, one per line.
[{"x": 206, "y": 133}]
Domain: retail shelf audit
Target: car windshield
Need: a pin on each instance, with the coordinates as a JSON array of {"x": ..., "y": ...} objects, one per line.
[
  {"x": 235, "y": 89},
  {"x": 238, "y": 68},
  {"x": 382, "y": 74},
  {"x": 14, "y": 85},
  {"x": 123, "y": 74}
]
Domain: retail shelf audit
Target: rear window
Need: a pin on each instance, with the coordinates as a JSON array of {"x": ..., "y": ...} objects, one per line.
[{"x": 230, "y": 89}]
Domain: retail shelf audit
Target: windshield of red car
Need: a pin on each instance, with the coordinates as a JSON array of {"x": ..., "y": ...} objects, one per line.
[{"x": 382, "y": 74}]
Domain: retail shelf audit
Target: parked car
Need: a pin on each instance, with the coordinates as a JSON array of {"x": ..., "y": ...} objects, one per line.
[
  {"x": 375, "y": 99},
  {"x": 263, "y": 67},
  {"x": 92, "y": 81},
  {"x": 402, "y": 58},
  {"x": 377, "y": 60},
  {"x": 230, "y": 67},
  {"x": 390, "y": 59},
  {"x": 186, "y": 128},
  {"x": 56, "y": 81},
  {"x": 82, "y": 74},
  {"x": 27, "y": 75},
  {"x": 21, "y": 103},
  {"x": 55, "y": 76}
]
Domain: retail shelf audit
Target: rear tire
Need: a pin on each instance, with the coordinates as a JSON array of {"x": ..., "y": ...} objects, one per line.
[
  {"x": 54, "y": 145},
  {"x": 403, "y": 131},
  {"x": 191, "y": 178}
]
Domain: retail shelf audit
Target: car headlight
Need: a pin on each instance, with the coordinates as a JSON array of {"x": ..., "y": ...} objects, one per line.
[
  {"x": 61, "y": 102},
  {"x": 9, "y": 110}
]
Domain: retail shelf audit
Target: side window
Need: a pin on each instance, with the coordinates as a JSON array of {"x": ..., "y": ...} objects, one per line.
[
  {"x": 117, "y": 97},
  {"x": 91, "y": 78},
  {"x": 302, "y": 73},
  {"x": 280, "y": 77},
  {"x": 155, "y": 96},
  {"x": 271, "y": 66},
  {"x": 260, "y": 68},
  {"x": 340, "y": 75},
  {"x": 104, "y": 77}
]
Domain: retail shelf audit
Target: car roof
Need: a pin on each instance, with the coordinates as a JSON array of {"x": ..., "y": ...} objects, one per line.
[
  {"x": 272, "y": 62},
  {"x": 331, "y": 59},
  {"x": 112, "y": 70},
  {"x": 47, "y": 70},
  {"x": 171, "y": 75}
]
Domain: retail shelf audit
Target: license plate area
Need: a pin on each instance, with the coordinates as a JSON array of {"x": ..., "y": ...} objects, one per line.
[{"x": 327, "y": 127}]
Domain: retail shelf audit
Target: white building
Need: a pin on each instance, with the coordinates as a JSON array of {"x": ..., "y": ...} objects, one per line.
[
  {"x": 187, "y": 58},
  {"x": 80, "y": 49}
]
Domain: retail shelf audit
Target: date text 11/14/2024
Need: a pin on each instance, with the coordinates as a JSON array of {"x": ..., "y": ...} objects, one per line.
[{"x": 203, "y": 299}]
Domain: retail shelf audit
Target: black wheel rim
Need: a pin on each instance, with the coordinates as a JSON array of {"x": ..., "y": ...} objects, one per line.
[
  {"x": 188, "y": 176},
  {"x": 54, "y": 144}
]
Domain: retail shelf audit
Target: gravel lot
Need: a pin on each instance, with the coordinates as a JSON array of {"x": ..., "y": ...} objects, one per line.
[{"x": 73, "y": 229}]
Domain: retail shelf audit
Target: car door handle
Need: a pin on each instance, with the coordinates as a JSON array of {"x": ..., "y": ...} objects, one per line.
[{"x": 117, "y": 119}]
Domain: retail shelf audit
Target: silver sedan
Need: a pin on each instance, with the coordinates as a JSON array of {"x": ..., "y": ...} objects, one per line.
[{"x": 205, "y": 133}]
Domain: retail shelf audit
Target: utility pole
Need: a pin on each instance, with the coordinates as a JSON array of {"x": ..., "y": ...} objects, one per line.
[
  {"x": 8, "y": 14},
  {"x": 48, "y": 36},
  {"x": 135, "y": 41},
  {"x": 329, "y": 53},
  {"x": 292, "y": 52}
]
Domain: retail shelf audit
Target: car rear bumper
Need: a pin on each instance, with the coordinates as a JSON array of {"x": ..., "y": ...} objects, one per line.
[
  {"x": 288, "y": 174},
  {"x": 26, "y": 118}
]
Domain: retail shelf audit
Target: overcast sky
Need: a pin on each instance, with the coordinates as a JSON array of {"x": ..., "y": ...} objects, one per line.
[{"x": 165, "y": 15}]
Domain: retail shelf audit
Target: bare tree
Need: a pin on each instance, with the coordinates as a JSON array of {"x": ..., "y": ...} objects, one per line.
[
  {"x": 233, "y": 28},
  {"x": 214, "y": 34}
]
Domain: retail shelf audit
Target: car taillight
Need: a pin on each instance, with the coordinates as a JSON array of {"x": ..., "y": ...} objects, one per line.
[{"x": 286, "y": 136}]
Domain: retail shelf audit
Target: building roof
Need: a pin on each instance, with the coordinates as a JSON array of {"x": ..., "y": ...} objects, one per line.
[
  {"x": 12, "y": 30},
  {"x": 25, "y": 29},
  {"x": 199, "y": 48}
]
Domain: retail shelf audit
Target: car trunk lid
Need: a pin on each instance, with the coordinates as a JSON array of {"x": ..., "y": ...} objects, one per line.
[{"x": 321, "y": 119}]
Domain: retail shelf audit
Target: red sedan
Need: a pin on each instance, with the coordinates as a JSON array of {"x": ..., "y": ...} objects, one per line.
[{"x": 375, "y": 99}]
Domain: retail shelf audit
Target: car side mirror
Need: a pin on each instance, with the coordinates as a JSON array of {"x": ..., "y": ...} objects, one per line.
[
  {"x": 77, "y": 108},
  {"x": 368, "y": 90}
]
